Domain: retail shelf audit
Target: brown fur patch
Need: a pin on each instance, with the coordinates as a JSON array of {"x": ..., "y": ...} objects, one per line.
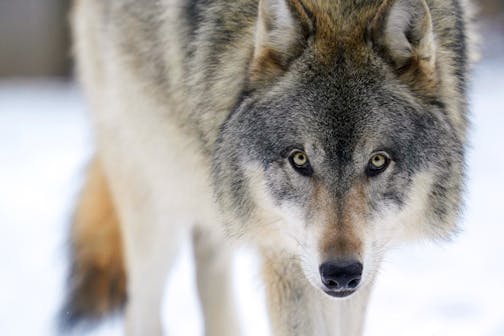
[
  {"x": 98, "y": 279},
  {"x": 340, "y": 26},
  {"x": 266, "y": 65},
  {"x": 336, "y": 27},
  {"x": 341, "y": 237}
]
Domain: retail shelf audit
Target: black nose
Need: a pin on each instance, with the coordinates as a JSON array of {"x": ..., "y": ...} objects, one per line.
[{"x": 341, "y": 276}]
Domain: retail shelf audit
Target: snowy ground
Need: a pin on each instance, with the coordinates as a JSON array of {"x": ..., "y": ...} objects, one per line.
[{"x": 452, "y": 289}]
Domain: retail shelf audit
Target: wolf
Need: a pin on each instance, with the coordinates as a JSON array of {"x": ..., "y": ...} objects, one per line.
[{"x": 320, "y": 132}]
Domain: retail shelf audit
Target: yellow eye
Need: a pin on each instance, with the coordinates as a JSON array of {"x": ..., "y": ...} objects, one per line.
[
  {"x": 299, "y": 158},
  {"x": 299, "y": 161},
  {"x": 378, "y": 163}
]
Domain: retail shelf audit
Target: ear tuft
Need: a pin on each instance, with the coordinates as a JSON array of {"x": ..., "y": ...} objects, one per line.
[
  {"x": 280, "y": 37},
  {"x": 404, "y": 34}
]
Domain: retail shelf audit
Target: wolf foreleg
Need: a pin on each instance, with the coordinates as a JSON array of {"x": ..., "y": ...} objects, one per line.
[{"x": 213, "y": 267}]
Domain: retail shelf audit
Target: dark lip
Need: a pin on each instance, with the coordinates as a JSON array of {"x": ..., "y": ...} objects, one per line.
[{"x": 339, "y": 294}]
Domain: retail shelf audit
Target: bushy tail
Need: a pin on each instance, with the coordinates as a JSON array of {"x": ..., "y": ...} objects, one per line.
[{"x": 97, "y": 281}]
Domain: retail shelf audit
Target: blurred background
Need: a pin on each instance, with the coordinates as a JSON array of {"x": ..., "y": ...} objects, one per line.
[
  {"x": 455, "y": 288},
  {"x": 34, "y": 38}
]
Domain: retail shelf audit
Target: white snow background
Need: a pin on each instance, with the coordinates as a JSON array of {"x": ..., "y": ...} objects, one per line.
[{"x": 454, "y": 288}]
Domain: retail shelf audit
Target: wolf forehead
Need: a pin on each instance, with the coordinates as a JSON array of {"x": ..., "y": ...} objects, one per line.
[{"x": 344, "y": 113}]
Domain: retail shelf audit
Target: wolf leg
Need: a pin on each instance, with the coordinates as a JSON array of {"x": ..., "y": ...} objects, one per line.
[
  {"x": 290, "y": 304},
  {"x": 150, "y": 247},
  {"x": 213, "y": 271},
  {"x": 148, "y": 265}
]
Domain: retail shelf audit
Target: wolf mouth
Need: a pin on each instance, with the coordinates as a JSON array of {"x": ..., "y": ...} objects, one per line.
[{"x": 339, "y": 294}]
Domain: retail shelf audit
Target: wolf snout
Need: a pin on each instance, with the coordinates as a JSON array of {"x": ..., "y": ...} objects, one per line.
[{"x": 340, "y": 278}]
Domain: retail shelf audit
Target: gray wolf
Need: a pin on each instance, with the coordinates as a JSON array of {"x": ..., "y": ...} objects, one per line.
[{"x": 320, "y": 132}]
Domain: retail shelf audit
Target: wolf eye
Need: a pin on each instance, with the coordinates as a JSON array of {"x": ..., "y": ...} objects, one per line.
[
  {"x": 299, "y": 158},
  {"x": 377, "y": 164},
  {"x": 299, "y": 161}
]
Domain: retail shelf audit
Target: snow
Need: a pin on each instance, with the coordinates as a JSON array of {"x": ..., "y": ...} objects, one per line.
[{"x": 454, "y": 288}]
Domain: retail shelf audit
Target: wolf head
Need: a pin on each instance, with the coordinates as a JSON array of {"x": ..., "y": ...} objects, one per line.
[{"x": 350, "y": 136}]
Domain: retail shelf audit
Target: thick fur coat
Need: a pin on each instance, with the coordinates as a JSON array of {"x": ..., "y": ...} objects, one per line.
[{"x": 321, "y": 132}]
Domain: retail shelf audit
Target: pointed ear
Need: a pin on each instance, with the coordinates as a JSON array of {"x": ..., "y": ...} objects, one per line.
[
  {"x": 403, "y": 33},
  {"x": 281, "y": 33}
]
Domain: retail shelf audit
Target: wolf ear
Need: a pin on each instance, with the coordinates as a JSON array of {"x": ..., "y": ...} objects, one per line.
[
  {"x": 403, "y": 33},
  {"x": 281, "y": 33}
]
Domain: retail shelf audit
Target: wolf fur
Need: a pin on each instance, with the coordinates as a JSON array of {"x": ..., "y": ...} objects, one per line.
[{"x": 197, "y": 106}]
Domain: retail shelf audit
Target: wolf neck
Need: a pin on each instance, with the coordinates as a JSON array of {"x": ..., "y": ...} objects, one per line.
[{"x": 347, "y": 317}]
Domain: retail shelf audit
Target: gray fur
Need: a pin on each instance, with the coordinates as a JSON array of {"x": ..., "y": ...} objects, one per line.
[{"x": 199, "y": 60}]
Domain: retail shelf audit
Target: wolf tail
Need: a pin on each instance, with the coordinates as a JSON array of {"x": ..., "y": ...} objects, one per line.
[{"x": 97, "y": 279}]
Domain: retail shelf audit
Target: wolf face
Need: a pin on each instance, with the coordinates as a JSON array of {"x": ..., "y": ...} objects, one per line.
[{"x": 343, "y": 142}]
